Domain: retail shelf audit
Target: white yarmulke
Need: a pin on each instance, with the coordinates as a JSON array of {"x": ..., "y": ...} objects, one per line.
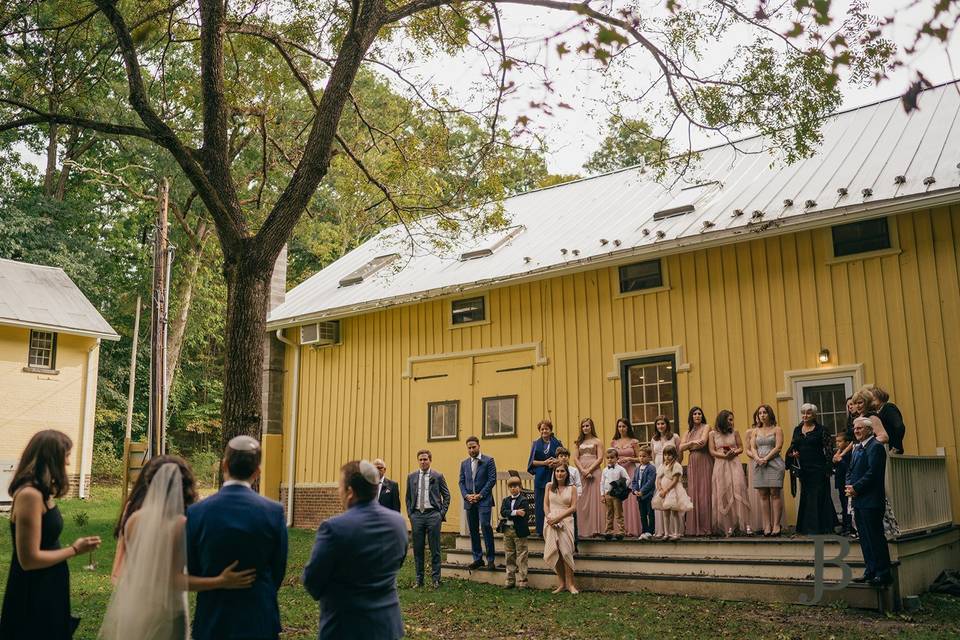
[
  {"x": 369, "y": 472},
  {"x": 243, "y": 443}
]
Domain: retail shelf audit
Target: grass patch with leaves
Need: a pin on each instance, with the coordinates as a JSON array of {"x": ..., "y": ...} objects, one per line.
[{"x": 466, "y": 610}]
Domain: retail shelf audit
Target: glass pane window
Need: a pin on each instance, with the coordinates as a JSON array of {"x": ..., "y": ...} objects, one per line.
[
  {"x": 468, "y": 310},
  {"x": 650, "y": 392},
  {"x": 641, "y": 275},
  {"x": 43, "y": 347},
  {"x": 861, "y": 237},
  {"x": 831, "y": 403},
  {"x": 499, "y": 416},
  {"x": 443, "y": 418}
]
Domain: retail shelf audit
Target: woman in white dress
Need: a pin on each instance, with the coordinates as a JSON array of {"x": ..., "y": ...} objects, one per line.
[
  {"x": 149, "y": 599},
  {"x": 663, "y": 438}
]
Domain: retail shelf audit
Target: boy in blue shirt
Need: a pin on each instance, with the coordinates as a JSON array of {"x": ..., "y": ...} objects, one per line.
[{"x": 643, "y": 484}]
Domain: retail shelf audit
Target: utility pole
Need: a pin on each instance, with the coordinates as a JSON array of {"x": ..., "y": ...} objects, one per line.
[{"x": 162, "y": 259}]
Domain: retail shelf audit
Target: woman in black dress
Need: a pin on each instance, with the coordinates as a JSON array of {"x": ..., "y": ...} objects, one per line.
[
  {"x": 811, "y": 456},
  {"x": 36, "y": 603}
]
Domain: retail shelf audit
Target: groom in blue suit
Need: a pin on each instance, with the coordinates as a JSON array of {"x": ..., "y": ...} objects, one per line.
[
  {"x": 478, "y": 477},
  {"x": 355, "y": 560},
  {"x": 238, "y": 524}
]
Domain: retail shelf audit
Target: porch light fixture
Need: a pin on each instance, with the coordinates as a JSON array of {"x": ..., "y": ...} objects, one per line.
[{"x": 824, "y": 355}]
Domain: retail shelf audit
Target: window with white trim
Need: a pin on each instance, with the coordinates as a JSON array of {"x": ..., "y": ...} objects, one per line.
[{"x": 43, "y": 350}]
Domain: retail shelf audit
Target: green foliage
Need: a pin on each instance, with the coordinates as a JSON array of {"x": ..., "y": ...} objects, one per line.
[
  {"x": 107, "y": 463},
  {"x": 628, "y": 143}
]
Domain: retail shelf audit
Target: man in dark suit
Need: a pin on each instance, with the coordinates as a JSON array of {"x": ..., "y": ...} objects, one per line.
[
  {"x": 353, "y": 568},
  {"x": 478, "y": 477},
  {"x": 388, "y": 491},
  {"x": 865, "y": 485},
  {"x": 516, "y": 530},
  {"x": 237, "y": 523},
  {"x": 428, "y": 499}
]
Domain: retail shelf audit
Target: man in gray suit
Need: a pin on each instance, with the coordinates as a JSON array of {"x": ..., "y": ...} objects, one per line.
[{"x": 428, "y": 499}]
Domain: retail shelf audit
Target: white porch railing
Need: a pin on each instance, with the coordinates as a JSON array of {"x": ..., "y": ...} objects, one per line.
[
  {"x": 919, "y": 491},
  {"x": 499, "y": 491}
]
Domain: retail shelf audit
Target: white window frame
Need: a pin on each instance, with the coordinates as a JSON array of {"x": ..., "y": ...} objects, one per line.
[{"x": 51, "y": 363}]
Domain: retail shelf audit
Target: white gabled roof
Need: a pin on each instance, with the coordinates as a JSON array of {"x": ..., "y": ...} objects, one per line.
[
  {"x": 41, "y": 297},
  {"x": 873, "y": 159}
]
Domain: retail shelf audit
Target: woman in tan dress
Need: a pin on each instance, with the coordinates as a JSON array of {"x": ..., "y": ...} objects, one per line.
[
  {"x": 560, "y": 503},
  {"x": 590, "y": 512},
  {"x": 731, "y": 508},
  {"x": 628, "y": 454}
]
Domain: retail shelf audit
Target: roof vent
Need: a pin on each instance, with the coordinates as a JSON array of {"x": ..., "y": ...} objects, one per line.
[
  {"x": 867, "y": 192},
  {"x": 491, "y": 242},
  {"x": 842, "y": 191},
  {"x": 809, "y": 204},
  {"x": 367, "y": 270},
  {"x": 684, "y": 201},
  {"x": 900, "y": 179},
  {"x": 788, "y": 202}
]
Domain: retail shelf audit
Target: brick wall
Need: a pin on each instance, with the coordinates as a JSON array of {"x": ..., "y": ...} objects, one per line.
[
  {"x": 312, "y": 504},
  {"x": 74, "y": 491}
]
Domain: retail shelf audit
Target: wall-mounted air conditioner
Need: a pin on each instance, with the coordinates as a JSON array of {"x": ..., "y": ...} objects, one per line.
[{"x": 321, "y": 333}]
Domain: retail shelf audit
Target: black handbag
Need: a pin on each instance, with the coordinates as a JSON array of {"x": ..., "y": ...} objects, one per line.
[{"x": 619, "y": 489}]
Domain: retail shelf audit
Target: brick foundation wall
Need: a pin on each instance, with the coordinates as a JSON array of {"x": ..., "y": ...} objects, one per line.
[
  {"x": 312, "y": 504},
  {"x": 74, "y": 491}
]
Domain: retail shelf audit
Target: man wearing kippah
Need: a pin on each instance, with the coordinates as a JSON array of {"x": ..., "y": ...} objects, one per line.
[
  {"x": 353, "y": 568},
  {"x": 239, "y": 524}
]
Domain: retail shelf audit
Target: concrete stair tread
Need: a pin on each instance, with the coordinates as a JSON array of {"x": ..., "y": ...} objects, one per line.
[{"x": 617, "y": 557}]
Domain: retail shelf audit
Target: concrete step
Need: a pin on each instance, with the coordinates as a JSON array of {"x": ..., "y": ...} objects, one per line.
[
  {"x": 668, "y": 565},
  {"x": 745, "y": 549},
  {"x": 723, "y": 588}
]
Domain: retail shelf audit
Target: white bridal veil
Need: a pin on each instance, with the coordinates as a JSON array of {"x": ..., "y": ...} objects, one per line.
[{"x": 150, "y": 599}]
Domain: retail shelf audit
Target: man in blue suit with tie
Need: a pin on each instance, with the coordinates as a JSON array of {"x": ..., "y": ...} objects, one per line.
[
  {"x": 865, "y": 485},
  {"x": 353, "y": 568},
  {"x": 478, "y": 477},
  {"x": 239, "y": 524}
]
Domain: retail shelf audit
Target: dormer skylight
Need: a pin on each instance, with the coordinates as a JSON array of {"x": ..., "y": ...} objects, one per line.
[
  {"x": 685, "y": 201},
  {"x": 367, "y": 270},
  {"x": 488, "y": 244}
]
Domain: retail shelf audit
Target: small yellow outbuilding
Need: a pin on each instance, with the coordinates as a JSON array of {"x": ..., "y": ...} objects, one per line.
[{"x": 49, "y": 352}]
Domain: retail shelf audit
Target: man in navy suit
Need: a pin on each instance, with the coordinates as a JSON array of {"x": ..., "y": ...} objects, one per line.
[
  {"x": 865, "y": 485},
  {"x": 428, "y": 499},
  {"x": 478, "y": 477},
  {"x": 237, "y": 523},
  {"x": 388, "y": 491},
  {"x": 353, "y": 568}
]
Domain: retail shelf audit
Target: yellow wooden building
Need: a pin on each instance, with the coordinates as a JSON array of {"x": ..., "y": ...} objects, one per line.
[
  {"x": 49, "y": 353},
  {"x": 746, "y": 282}
]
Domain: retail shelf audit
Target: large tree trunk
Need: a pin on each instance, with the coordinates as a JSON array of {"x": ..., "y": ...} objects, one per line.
[
  {"x": 248, "y": 275},
  {"x": 50, "y": 171}
]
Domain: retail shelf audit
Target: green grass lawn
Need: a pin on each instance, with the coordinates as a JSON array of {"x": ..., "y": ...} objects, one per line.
[{"x": 466, "y": 610}]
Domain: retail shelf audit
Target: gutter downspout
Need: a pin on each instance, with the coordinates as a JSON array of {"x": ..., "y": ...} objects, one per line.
[
  {"x": 89, "y": 411},
  {"x": 294, "y": 412}
]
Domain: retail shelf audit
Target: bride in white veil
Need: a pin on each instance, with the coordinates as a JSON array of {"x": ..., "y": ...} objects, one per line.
[{"x": 149, "y": 601}]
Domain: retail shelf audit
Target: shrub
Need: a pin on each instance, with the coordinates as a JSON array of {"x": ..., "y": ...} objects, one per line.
[
  {"x": 107, "y": 465},
  {"x": 204, "y": 463}
]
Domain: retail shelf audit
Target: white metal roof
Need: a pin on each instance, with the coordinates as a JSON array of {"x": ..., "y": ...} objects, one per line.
[
  {"x": 901, "y": 159},
  {"x": 41, "y": 297}
]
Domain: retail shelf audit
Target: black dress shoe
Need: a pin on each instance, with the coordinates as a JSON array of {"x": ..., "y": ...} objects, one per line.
[
  {"x": 862, "y": 579},
  {"x": 490, "y": 566},
  {"x": 476, "y": 564},
  {"x": 607, "y": 536}
]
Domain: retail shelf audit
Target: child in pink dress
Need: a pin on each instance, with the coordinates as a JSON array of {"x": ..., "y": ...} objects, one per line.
[{"x": 671, "y": 499}]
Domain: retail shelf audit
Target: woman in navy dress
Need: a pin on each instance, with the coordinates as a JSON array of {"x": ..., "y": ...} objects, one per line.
[
  {"x": 36, "y": 603},
  {"x": 543, "y": 458}
]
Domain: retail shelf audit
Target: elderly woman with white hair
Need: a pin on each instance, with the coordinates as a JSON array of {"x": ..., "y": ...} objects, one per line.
[{"x": 810, "y": 455}]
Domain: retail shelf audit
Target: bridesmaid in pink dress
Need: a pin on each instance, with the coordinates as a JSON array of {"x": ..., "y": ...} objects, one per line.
[
  {"x": 664, "y": 437},
  {"x": 590, "y": 511},
  {"x": 628, "y": 452},
  {"x": 699, "y": 474},
  {"x": 731, "y": 507}
]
